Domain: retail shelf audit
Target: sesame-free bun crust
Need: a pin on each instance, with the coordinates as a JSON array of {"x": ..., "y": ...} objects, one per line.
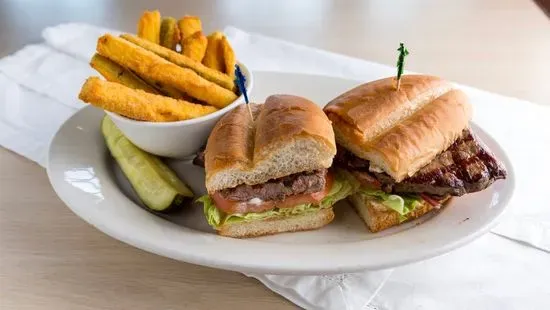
[
  {"x": 377, "y": 219},
  {"x": 402, "y": 130},
  {"x": 307, "y": 221},
  {"x": 288, "y": 135}
]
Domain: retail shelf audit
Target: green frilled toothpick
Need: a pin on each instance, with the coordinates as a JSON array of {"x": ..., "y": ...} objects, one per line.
[{"x": 403, "y": 52}]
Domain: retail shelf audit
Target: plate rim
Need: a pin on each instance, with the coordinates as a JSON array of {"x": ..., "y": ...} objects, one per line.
[{"x": 296, "y": 269}]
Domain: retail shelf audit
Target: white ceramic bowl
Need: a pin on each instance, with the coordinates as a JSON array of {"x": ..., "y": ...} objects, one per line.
[{"x": 179, "y": 139}]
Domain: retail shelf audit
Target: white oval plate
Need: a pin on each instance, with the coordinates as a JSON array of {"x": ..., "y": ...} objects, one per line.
[{"x": 88, "y": 180}]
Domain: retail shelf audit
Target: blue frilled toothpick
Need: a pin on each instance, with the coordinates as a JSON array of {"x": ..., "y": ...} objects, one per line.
[{"x": 240, "y": 80}]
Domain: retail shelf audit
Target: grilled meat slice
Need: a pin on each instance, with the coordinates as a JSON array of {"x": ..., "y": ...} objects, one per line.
[
  {"x": 199, "y": 158},
  {"x": 467, "y": 166},
  {"x": 279, "y": 189}
]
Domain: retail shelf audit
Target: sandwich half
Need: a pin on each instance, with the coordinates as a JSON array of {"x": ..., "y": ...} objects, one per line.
[
  {"x": 270, "y": 174},
  {"x": 411, "y": 149}
]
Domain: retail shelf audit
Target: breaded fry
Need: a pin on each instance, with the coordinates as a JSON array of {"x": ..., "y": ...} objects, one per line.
[
  {"x": 194, "y": 46},
  {"x": 229, "y": 59},
  {"x": 214, "y": 76},
  {"x": 147, "y": 64},
  {"x": 169, "y": 91},
  {"x": 165, "y": 89},
  {"x": 149, "y": 26},
  {"x": 113, "y": 72},
  {"x": 138, "y": 104},
  {"x": 188, "y": 25},
  {"x": 213, "y": 58},
  {"x": 169, "y": 33}
]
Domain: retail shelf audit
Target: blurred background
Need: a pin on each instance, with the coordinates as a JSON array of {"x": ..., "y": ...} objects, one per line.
[
  {"x": 502, "y": 46},
  {"x": 497, "y": 45}
]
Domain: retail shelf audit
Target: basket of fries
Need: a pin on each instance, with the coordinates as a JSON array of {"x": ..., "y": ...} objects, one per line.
[{"x": 167, "y": 86}]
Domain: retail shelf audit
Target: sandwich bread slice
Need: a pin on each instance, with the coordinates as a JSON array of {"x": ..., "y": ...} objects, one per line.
[
  {"x": 411, "y": 149},
  {"x": 270, "y": 174}
]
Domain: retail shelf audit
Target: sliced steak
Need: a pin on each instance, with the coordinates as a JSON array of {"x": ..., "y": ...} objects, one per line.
[
  {"x": 199, "y": 158},
  {"x": 279, "y": 189},
  {"x": 467, "y": 166},
  {"x": 347, "y": 159}
]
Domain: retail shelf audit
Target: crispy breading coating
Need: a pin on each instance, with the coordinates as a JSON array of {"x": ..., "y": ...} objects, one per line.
[
  {"x": 229, "y": 58},
  {"x": 138, "y": 104},
  {"x": 165, "y": 89},
  {"x": 113, "y": 72},
  {"x": 148, "y": 64},
  {"x": 194, "y": 46},
  {"x": 214, "y": 76},
  {"x": 213, "y": 58},
  {"x": 149, "y": 26},
  {"x": 188, "y": 25}
]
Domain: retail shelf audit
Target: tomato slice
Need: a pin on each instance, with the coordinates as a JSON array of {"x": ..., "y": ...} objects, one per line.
[
  {"x": 430, "y": 200},
  {"x": 232, "y": 206},
  {"x": 367, "y": 180}
]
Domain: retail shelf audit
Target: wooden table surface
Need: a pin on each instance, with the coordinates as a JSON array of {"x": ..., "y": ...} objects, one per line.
[{"x": 50, "y": 259}]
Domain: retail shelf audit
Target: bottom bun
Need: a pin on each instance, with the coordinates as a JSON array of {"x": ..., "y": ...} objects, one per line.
[
  {"x": 377, "y": 220},
  {"x": 277, "y": 225}
]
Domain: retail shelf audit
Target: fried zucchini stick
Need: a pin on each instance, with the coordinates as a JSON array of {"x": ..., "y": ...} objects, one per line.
[
  {"x": 188, "y": 25},
  {"x": 194, "y": 46},
  {"x": 213, "y": 58},
  {"x": 147, "y": 64},
  {"x": 113, "y": 72},
  {"x": 149, "y": 26},
  {"x": 170, "y": 91},
  {"x": 165, "y": 89},
  {"x": 138, "y": 104},
  {"x": 229, "y": 59},
  {"x": 169, "y": 33},
  {"x": 214, "y": 76}
]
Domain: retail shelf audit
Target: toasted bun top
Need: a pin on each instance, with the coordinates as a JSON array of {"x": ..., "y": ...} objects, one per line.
[
  {"x": 400, "y": 131},
  {"x": 289, "y": 135}
]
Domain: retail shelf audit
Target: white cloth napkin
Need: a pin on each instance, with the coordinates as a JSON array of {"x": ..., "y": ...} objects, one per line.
[{"x": 38, "y": 91}]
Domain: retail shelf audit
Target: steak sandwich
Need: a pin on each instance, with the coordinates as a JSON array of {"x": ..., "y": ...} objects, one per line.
[
  {"x": 270, "y": 174},
  {"x": 411, "y": 149}
]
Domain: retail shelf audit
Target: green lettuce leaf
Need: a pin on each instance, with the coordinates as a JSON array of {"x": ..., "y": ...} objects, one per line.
[
  {"x": 344, "y": 185},
  {"x": 403, "y": 205},
  {"x": 212, "y": 214}
]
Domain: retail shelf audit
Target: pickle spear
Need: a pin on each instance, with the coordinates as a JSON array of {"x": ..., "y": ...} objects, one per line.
[{"x": 158, "y": 187}]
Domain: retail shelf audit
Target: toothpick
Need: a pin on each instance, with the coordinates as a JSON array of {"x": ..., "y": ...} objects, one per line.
[
  {"x": 403, "y": 52},
  {"x": 240, "y": 80},
  {"x": 250, "y": 111}
]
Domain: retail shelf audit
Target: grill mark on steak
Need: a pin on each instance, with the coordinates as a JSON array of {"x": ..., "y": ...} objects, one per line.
[
  {"x": 279, "y": 189},
  {"x": 467, "y": 166}
]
